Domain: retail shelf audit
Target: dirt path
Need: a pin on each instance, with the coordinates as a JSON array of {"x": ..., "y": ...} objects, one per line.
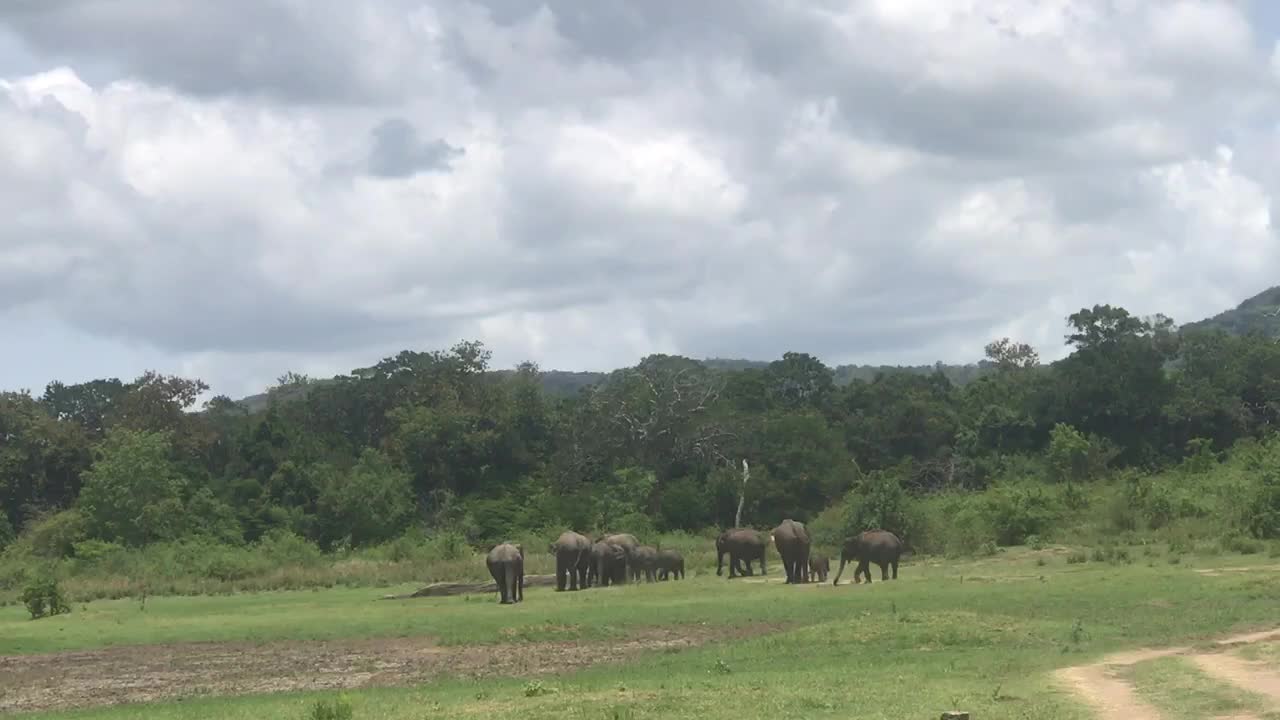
[
  {"x": 1253, "y": 677},
  {"x": 1115, "y": 699},
  {"x": 149, "y": 673}
]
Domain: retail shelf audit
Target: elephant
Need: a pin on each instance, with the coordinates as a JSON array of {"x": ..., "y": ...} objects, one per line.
[
  {"x": 608, "y": 564},
  {"x": 506, "y": 565},
  {"x": 670, "y": 564},
  {"x": 573, "y": 557},
  {"x": 742, "y": 545},
  {"x": 628, "y": 543},
  {"x": 819, "y": 566},
  {"x": 871, "y": 546},
  {"x": 644, "y": 561},
  {"x": 792, "y": 540}
]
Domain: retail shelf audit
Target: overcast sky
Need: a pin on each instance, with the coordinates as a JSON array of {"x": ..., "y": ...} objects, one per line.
[{"x": 233, "y": 189}]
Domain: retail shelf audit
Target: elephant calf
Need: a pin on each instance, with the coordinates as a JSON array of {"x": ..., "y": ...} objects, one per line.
[
  {"x": 819, "y": 566},
  {"x": 644, "y": 561},
  {"x": 670, "y": 563}
]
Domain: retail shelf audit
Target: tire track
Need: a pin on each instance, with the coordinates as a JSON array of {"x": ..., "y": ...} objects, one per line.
[{"x": 1114, "y": 699}]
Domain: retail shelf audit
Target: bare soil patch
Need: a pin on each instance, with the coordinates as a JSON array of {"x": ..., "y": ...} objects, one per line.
[
  {"x": 150, "y": 673},
  {"x": 1114, "y": 699},
  {"x": 1213, "y": 572}
]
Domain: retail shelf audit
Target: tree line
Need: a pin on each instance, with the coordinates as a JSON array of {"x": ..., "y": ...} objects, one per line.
[{"x": 436, "y": 440}]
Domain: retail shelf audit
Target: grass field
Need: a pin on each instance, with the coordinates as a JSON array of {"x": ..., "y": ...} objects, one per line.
[{"x": 983, "y": 636}]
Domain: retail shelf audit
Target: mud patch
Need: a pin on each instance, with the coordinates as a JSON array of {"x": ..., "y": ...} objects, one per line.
[{"x": 151, "y": 673}]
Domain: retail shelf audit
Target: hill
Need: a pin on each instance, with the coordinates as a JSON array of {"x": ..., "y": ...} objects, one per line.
[{"x": 1257, "y": 314}]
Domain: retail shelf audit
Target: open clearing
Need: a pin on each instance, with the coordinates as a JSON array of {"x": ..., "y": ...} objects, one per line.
[{"x": 1004, "y": 637}]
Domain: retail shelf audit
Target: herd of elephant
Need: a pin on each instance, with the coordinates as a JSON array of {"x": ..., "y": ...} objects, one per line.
[{"x": 616, "y": 558}]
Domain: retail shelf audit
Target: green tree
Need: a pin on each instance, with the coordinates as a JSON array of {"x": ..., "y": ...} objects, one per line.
[
  {"x": 133, "y": 493},
  {"x": 371, "y": 503}
]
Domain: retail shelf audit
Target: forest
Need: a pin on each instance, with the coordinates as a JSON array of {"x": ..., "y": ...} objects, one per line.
[{"x": 437, "y": 445}]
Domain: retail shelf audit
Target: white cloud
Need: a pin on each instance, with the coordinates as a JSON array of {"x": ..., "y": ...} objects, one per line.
[{"x": 875, "y": 181}]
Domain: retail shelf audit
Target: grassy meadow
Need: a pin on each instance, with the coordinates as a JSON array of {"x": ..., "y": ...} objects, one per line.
[{"x": 979, "y": 635}]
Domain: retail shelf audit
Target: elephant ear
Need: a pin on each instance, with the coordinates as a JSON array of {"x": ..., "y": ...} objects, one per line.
[{"x": 519, "y": 548}]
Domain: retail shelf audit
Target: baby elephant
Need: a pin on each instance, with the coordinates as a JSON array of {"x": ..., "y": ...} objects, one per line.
[
  {"x": 670, "y": 563},
  {"x": 819, "y": 566}
]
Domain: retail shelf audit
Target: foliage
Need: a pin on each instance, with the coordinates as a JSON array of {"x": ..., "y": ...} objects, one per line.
[
  {"x": 1143, "y": 428},
  {"x": 44, "y": 598},
  {"x": 132, "y": 493},
  {"x": 334, "y": 709}
]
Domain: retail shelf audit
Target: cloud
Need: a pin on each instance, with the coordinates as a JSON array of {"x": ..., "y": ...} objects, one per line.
[
  {"x": 237, "y": 189},
  {"x": 397, "y": 152}
]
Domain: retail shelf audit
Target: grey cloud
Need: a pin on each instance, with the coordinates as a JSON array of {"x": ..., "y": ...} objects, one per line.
[
  {"x": 826, "y": 253},
  {"x": 398, "y": 152},
  {"x": 323, "y": 51}
]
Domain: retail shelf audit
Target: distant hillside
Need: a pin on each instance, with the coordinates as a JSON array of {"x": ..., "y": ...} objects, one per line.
[
  {"x": 569, "y": 382},
  {"x": 1257, "y": 314}
]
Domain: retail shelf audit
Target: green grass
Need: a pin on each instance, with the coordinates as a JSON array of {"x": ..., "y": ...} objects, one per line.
[
  {"x": 1180, "y": 691},
  {"x": 978, "y": 636},
  {"x": 1265, "y": 652}
]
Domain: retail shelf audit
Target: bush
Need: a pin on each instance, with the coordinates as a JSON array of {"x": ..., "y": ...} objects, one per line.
[
  {"x": 880, "y": 502},
  {"x": 55, "y": 536},
  {"x": 1263, "y": 509},
  {"x": 1017, "y": 512},
  {"x": 44, "y": 598},
  {"x": 336, "y": 709}
]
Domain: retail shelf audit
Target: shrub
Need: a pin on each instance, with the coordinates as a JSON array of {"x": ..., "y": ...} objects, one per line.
[
  {"x": 336, "y": 709},
  {"x": 1262, "y": 511},
  {"x": 1018, "y": 512},
  {"x": 54, "y": 536},
  {"x": 44, "y": 598}
]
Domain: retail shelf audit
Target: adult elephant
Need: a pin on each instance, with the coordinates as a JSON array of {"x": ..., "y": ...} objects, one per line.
[
  {"x": 645, "y": 562},
  {"x": 572, "y": 552},
  {"x": 670, "y": 565},
  {"x": 871, "y": 546},
  {"x": 792, "y": 540},
  {"x": 628, "y": 543},
  {"x": 819, "y": 567},
  {"x": 742, "y": 545},
  {"x": 506, "y": 565},
  {"x": 608, "y": 565}
]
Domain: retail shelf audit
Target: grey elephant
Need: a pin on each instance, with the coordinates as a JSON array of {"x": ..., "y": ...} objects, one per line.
[
  {"x": 644, "y": 561},
  {"x": 670, "y": 565},
  {"x": 572, "y": 552},
  {"x": 608, "y": 565},
  {"x": 793, "y": 543},
  {"x": 871, "y": 546},
  {"x": 506, "y": 564},
  {"x": 742, "y": 545},
  {"x": 819, "y": 566},
  {"x": 628, "y": 543}
]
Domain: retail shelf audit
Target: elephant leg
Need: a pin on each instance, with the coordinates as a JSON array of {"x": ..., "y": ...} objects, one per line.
[
  {"x": 561, "y": 580},
  {"x": 863, "y": 569},
  {"x": 884, "y": 571},
  {"x": 895, "y": 569}
]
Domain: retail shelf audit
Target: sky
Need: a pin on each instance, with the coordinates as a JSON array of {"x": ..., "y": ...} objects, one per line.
[{"x": 237, "y": 189}]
